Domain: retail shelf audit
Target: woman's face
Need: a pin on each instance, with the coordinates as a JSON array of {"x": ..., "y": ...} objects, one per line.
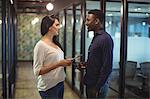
[{"x": 55, "y": 27}]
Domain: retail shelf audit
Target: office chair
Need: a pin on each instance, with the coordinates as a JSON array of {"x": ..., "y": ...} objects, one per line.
[
  {"x": 139, "y": 84},
  {"x": 130, "y": 74},
  {"x": 145, "y": 75}
]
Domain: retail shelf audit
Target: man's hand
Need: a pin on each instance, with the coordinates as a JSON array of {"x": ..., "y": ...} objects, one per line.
[
  {"x": 97, "y": 94},
  {"x": 81, "y": 65}
]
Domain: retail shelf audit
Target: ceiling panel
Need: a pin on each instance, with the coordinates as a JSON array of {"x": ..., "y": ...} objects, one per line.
[{"x": 39, "y": 6}]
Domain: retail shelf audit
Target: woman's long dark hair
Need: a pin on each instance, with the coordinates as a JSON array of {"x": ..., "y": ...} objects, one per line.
[
  {"x": 55, "y": 40},
  {"x": 47, "y": 22}
]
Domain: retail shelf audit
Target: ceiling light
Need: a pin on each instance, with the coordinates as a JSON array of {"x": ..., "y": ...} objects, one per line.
[
  {"x": 110, "y": 22},
  {"x": 147, "y": 14},
  {"x": 11, "y": 1},
  {"x": 135, "y": 9},
  {"x": 143, "y": 23},
  {"x": 110, "y": 14},
  {"x": 49, "y": 6},
  {"x": 139, "y": 8}
]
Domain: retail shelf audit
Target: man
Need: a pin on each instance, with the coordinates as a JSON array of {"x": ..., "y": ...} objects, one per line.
[{"x": 100, "y": 56}]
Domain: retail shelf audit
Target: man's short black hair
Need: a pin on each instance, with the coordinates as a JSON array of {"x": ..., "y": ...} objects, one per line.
[{"x": 97, "y": 13}]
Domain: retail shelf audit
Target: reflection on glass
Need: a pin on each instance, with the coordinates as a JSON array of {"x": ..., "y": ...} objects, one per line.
[
  {"x": 92, "y": 5},
  {"x": 69, "y": 29},
  {"x": 61, "y": 31},
  {"x": 77, "y": 44},
  {"x": 112, "y": 25},
  {"x": 138, "y": 55}
]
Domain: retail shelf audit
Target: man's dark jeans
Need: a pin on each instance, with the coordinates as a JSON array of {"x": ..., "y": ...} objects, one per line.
[
  {"x": 53, "y": 93},
  {"x": 101, "y": 95}
]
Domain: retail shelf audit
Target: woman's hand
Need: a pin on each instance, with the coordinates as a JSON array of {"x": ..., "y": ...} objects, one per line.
[
  {"x": 65, "y": 62},
  {"x": 47, "y": 68}
]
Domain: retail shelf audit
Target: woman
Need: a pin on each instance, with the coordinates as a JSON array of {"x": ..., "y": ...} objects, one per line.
[{"x": 49, "y": 61}]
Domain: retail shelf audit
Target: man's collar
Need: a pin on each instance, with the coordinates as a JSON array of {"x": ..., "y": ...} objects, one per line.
[{"x": 99, "y": 32}]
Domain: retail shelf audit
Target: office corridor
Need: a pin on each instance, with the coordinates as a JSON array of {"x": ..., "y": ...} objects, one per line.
[{"x": 26, "y": 87}]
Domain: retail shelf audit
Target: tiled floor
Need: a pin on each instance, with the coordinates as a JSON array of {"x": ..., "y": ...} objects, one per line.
[{"x": 25, "y": 84}]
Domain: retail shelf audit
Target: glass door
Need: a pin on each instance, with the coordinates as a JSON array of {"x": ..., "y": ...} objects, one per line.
[
  {"x": 69, "y": 31},
  {"x": 90, "y": 4},
  {"x": 89, "y": 35},
  {"x": 112, "y": 26},
  {"x": 0, "y": 49},
  {"x": 77, "y": 75},
  {"x": 61, "y": 31},
  {"x": 138, "y": 52}
]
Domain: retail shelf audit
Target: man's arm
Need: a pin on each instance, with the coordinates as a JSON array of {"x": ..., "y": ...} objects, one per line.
[{"x": 107, "y": 64}]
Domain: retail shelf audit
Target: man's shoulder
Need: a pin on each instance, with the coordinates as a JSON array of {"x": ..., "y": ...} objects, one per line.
[
  {"x": 103, "y": 36},
  {"x": 106, "y": 36}
]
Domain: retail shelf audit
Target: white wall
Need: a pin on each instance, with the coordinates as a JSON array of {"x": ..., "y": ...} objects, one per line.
[{"x": 138, "y": 49}]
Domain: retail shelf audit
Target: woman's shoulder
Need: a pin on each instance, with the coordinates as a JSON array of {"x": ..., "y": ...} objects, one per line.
[{"x": 39, "y": 45}]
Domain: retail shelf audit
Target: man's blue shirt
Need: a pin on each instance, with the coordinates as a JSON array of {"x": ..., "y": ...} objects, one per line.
[{"x": 99, "y": 62}]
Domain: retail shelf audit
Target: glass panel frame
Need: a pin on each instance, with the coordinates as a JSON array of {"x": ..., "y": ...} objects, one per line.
[
  {"x": 0, "y": 48},
  {"x": 137, "y": 53},
  {"x": 69, "y": 36},
  {"x": 61, "y": 31},
  {"x": 113, "y": 27},
  {"x": 77, "y": 75}
]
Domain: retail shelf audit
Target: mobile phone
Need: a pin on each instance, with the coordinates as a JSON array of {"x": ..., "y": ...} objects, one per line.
[{"x": 76, "y": 57}]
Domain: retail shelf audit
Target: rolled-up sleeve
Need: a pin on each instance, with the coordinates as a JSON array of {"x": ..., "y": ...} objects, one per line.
[{"x": 38, "y": 59}]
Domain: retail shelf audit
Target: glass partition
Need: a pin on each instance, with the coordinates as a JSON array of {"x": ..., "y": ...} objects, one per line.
[
  {"x": 69, "y": 30},
  {"x": 138, "y": 52},
  {"x": 112, "y": 25},
  {"x": 61, "y": 31},
  {"x": 77, "y": 45},
  {"x": 0, "y": 49},
  {"x": 89, "y": 35}
]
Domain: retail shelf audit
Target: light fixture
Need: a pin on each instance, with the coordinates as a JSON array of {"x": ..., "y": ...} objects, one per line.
[
  {"x": 110, "y": 22},
  {"x": 49, "y": 6},
  {"x": 36, "y": 20},
  {"x": 11, "y": 1},
  {"x": 147, "y": 14},
  {"x": 143, "y": 23},
  {"x": 138, "y": 8},
  {"x": 0, "y": 21},
  {"x": 110, "y": 14}
]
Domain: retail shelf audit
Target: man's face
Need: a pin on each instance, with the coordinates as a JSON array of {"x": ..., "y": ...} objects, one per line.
[{"x": 90, "y": 22}]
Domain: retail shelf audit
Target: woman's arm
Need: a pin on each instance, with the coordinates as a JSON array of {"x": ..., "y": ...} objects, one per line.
[{"x": 45, "y": 69}]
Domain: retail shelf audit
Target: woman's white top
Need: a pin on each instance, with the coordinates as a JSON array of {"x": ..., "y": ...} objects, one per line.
[{"x": 46, "y": 55}]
